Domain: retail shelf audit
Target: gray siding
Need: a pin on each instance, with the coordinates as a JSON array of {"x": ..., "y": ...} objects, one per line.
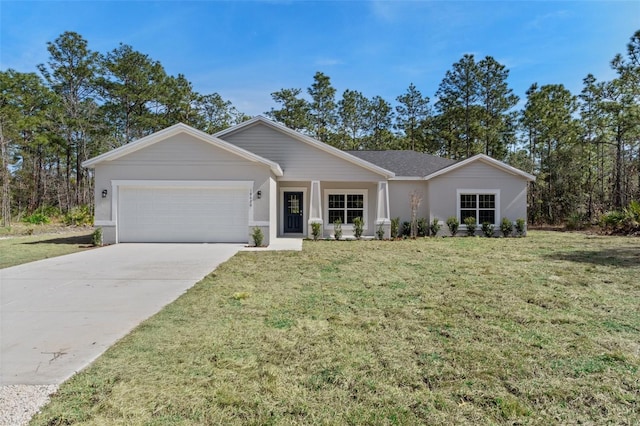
[
  {"x": 442, "y": 199},
  {"x": 399, "y": 204},
  {"x": 181, "y": 157},
  {"x": 299, "y": 160},
  {"x": 371, "y": 191}
]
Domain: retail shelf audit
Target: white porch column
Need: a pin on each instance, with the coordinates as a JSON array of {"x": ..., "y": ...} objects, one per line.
[
  {"x": 315, "y": 208},
  {"x": 382, "y": 210},
  {"x": 273, "y": 209}
]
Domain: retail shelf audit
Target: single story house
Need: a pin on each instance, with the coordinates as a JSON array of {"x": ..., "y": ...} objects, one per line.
[{"x": 184, "y": 185}]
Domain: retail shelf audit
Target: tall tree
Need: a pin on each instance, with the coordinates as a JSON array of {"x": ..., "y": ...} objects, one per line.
[
  {"x": 323, "y": 109},
  {"x": 26, "y": 133},
  {"x": 411, "y": 111},
  {"x": 548, "y": 120},
  {"x": 624, "y": 108},
  {"x": 178, "y": 103},
  {"x": 217, "y": 113},
  {"x": 131, "y": 86},
  {"x": 496, "y": 100},
  {"x": 294, "y": 112},
  {"x": 458, "y": 96},
  {"x": 353, "y": 110},
  {"x": 71, "y": 72},
  {"x": 379, "y": 123},
  {"x": 593, "y": 127}
]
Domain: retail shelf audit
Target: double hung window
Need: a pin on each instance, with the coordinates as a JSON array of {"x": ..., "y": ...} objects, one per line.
[
  {"x": 482, "y": 207},
  {"x": 345, "y": 206}
]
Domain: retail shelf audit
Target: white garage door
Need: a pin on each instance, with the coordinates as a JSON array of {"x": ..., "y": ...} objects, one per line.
[{"x": 171, "y": 214}]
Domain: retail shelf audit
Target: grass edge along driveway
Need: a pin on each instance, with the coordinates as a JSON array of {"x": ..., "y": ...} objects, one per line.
[
  {"x": 17, "y": 250},
  {"x": 538, "y": 330}
]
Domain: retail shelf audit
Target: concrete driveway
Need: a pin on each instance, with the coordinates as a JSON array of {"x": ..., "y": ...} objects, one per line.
[{"x": 58, "y": 315}]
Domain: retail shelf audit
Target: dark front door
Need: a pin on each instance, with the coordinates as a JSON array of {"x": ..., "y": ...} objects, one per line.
[{"x": 293, "y": 212}]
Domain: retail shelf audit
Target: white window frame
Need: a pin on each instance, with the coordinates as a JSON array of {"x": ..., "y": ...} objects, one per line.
[
  {"x": 365, "y": 206},
  {"x": 476, "y": 192}
]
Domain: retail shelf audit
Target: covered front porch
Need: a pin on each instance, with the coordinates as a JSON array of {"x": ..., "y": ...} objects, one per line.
[{"x": 302, "y": 203}]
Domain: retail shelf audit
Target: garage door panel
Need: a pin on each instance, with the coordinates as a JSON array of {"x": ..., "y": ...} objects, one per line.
[{"x": 170, "y": 214}]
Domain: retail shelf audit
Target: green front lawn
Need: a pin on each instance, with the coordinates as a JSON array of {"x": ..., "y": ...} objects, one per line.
[
  {"x": 537, "y": 330},
  {"x": 16, "y": 250}
]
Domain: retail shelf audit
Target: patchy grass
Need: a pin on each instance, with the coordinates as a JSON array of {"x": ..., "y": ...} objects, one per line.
[
  {"x": 538, "y": 330},
  {"x": 22, "y": 249}
]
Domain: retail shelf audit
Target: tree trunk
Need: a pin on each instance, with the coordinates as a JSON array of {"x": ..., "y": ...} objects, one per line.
[
  {"x": 5, "y": 209},
  {"x": 617, "y": 174}
]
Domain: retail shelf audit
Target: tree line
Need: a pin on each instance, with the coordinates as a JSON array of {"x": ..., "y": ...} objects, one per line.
[
  {"x": 81, "y": 104},
  {"x": 584, "y": 148}
]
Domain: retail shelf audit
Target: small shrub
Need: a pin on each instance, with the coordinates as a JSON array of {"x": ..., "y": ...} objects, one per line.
[
  {"x": 633, "y": 211},
  {"x": 96, "y": 237},
  {"x": 487, "y": 229},
  {"x": 337, "y": 229},
  {"x": 520, "y": 226},
  {"x": 453, "y": 224},
  {"x": 434, "y": 227},
  {"x": 423, "y": 227},
  {"x": 380, "y": 232},
  {"x": 78, "y": 216},
  {"x": 49, "y": 211},
  {"x": 406, "y": 229},
  {"x": 257, "y": 236},
  {"x": 315, "y": 230},
  {"x": 358, "y": 227},
  {"x": 576, "y": 222},
  {"x": 506, "y": 227},
  {"x": 626, "y": 221},
  {"x": 472, "y": 225},
  {"x": 395, "y": 228},
  {"x": 37, "y": 219},
  {"x": 612, "y": 220}
]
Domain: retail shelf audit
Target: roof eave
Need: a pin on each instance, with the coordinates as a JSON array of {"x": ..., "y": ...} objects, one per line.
[
  {"x": 172, "y": 131},
  {"x": 398, "y": 178},
  {"x": 486, "y": 159}
]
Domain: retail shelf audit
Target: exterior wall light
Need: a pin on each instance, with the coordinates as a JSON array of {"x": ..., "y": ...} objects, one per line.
[
  {"x": 104, "y": 193},
  {"x": 259, "y": 194}
]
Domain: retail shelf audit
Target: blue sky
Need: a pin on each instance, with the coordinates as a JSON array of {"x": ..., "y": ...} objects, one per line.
[{"x": 245, "y": 50}]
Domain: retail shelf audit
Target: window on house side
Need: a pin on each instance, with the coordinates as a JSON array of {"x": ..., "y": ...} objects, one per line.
[{"x": 480, "y": 206}]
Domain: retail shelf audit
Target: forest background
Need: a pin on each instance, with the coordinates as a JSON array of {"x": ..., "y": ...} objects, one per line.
[{"x": 583, "y": 147}]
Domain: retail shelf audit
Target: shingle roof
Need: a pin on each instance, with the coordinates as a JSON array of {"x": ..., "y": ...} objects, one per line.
[{"x": 406, "y": 162}]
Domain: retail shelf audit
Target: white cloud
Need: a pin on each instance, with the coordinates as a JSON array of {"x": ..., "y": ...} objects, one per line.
[
  {"x": 327, "y": 62},
  {"x": 541, "y": 22}
]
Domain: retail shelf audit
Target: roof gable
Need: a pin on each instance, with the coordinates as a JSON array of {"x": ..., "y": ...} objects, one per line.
[
  {"x": 487, "y": 160},
  {"x": 260, "y": 120},
  {"x": 175, "y": 130}
]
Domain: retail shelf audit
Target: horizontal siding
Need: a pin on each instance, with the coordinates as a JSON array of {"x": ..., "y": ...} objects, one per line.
[
  {"x": 181, "y": 157},
  {"x": 478, "y": 170},
  {"x": 442, "y": 197},
  {"x": 298, "y": 159},
  {"x": 399, "y": 202},
  {"x": 181, "y": 149}
]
